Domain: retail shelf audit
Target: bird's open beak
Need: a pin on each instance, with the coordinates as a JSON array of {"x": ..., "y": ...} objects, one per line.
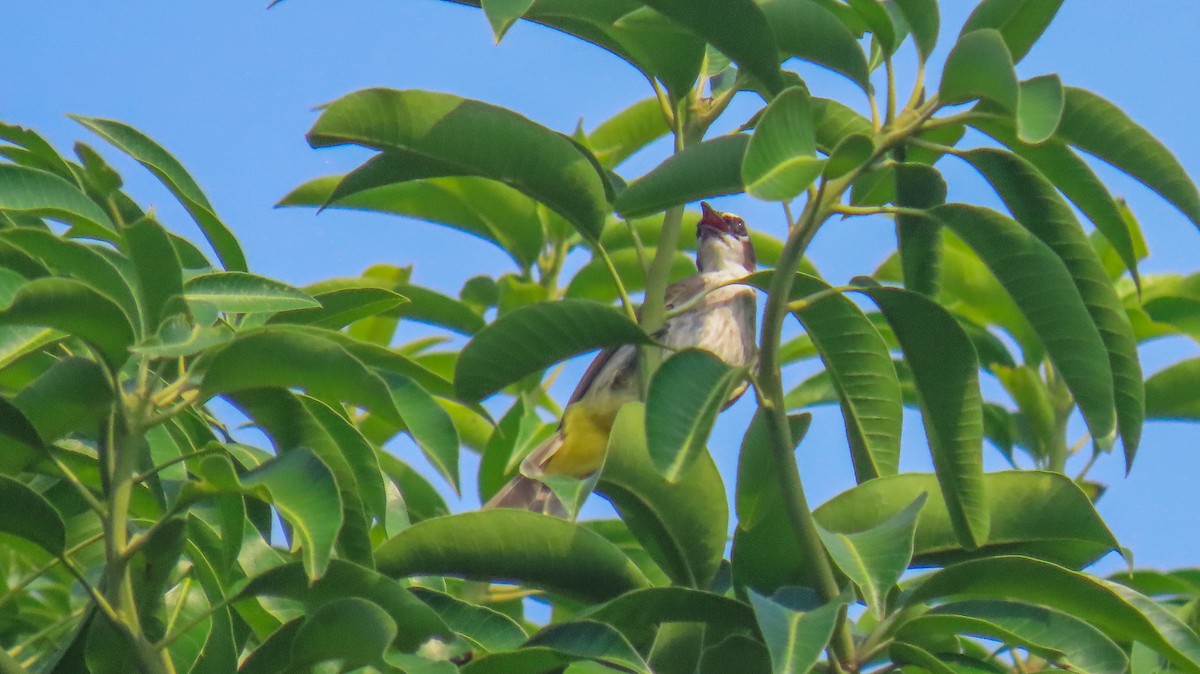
[{"x": 710, "y": 219}]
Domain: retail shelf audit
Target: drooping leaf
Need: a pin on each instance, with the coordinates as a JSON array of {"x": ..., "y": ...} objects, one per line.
[
  {"x": 1100, "y": 128},
  {"x": 240, "y": 292},
  {"x": 502, "y": 13},
  {"x": 172, "y": 174},
  {"x": 466, "y": 137},
  {"x": 945, "y": 372},
  {"x": 277, "y": 356},
  {"x": 922, "y": 17},
  {"x": 781, "y": 158},
  {"x": 1050, "y": 634},
  {"x": 809, "y": 31},
  {"x": 980, "y": 66},
  {"x": 429, "y": 425},
  {"x": 1033, "y": 513},
  {"x": 514, "y": 545},
  {"x": 75, "y": 308},
  {"x": 681, "y": 524},
  {"x": 1020, "y": 22},
  {"x": 1039, "y": 208},
  {"x": 685, "y": 395},
  {"x": 36, "y": 192},
  {"x": 536, "y": 336},
  {"x": 919, "y": 239},
  {"x": 795, "y": 638},
  {"x": 875, "y": 558},
  {"x": 160, "y": 276},
  {"x": 707, "y": 169},
  {"x": 1042, "y": 286},
  {"x": 1119, "y": 612}
]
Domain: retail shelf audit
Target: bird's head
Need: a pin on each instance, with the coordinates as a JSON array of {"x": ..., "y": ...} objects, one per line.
[{"x": 722, "y": 242}]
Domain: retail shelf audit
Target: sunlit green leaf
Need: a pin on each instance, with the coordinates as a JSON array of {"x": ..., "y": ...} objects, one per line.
[
  {"x": 780, "y": 160},
  {"x": 875, "y": 558},
  {"x": 467, "y": 137},
  {"x": 623, "y": 134},
  {"x": 687, "y": 392},
  {"x": 239, "y": 292},
  {"x": 708, "y": 169},
  {"x": 1039, "y": 109},
  {"x": 922, "y": 17},
  {"x": 36, "y": 192},
  {"x": 794, "y": 638}
]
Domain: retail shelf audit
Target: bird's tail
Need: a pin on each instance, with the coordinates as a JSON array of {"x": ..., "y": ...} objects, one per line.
[{"x": 525, "y": 491}]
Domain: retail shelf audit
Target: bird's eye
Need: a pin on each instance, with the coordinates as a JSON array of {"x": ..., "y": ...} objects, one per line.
[{"x": 737, "y": 226}]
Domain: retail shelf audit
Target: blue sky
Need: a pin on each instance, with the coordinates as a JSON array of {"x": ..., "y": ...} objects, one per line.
[{"x": 230, "y": 88}]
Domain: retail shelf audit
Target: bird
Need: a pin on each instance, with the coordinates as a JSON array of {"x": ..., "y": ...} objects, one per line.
[{"x": 721, "y": 322}]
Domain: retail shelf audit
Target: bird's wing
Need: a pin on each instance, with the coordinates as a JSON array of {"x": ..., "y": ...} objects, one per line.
[{"x": 677, "y": 292}]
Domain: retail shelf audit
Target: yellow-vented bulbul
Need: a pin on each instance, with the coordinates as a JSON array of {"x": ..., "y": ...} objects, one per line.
[{"x": 723, "y": 323}]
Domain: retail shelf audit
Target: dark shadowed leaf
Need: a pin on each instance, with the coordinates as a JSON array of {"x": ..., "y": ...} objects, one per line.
[
  {"x": 26, "y": 514},
  {"x": 468, "y": 137},
  {"x": 512, "y": 545},
  {"x": 534, "y": 337},
  {"x": 172, "y": 174},
  {"x": 708, "y": 169},
  {"x": 342, "y": 306},
  {"x": 923, "y": 20},
  {"x": 637, "y": 614},
  {"x": 811, "y": 32},
  {"x": 73, "y": 394},
  {"x": 559, "y": 645},
  {"x": 353, "y": 631}
]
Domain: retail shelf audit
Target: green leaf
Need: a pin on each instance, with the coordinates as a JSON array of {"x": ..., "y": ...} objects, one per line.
[
  {"x": 502, "y": 13},
  {"x": 1033, "y": 513},
  {"x": 875, "y": 558},
  {"x": 239, "y": 292},
  {"x": 1100, "y": 128},
  {"x": 486, "y": 628},
  {"x": 708, "y": 169},
  {"x": 980, "y": 66},
  {"x": 26, "y": 514},
  {"x": 735, "y": 654},
  {"x": 72, "y": 258},
  {"x": 561, "y": 644},
  {"x": 301, "y": 488},
  {"x": 467, "y": 137},
  {"x": 681, "y": 524},
  {"x": 811, "y": 32},
  {"x": 1020, "y": 22},
  {"x": 1061, "y": 638},
  {"x": 515, "y": 545},
  {"x": 36, "y": 152},
  {"x": 795, "y": 638},
  {"x": 781, "y": 158},
  {"x": 850, "y": 154},
  {"x": 860, "y": 366},
  {"x": 1077, "y": 181},
  {"x": 417, "y": 621},
  {"x": 159, "y": 274},
  {"x": 1039, "y": 109},
  {"x": 36, "y": 192},
  {"x": 1037, "y": 205},
  {"x": 176, "y": 338},
  {"x": 630, "y": 130},
  {"x": 434, "y": 308},
  {"x": 945, "y": 372},
  {"x": 534, "y": 337},
  {"x": 420, "y": 498},
  {"x": 1119, "y": 612},
  {"x": 1171, "y": 392},
  {"x": 287, "y": 358},
  {"x": 72, "y": 307},
  {"x": 341, "y": 307},
  {"x": 685, "y": 396},
  {"x": 73, "y": 394},
  {"x": 353, "y": 631},
  {"x": 594, "y": 282},
  {"x": 737, "y": 28},
  {"x": 172, "y": 174},
  {"x": 919, "y": 240},
  {"x": 879, "y": 23},
  {"x": 429, "y": 425},
  {"x": 922, "y": 17},
  {"x": 1043, "y": 287},
  {"x": 480, "y": 207},
  {"x": 638, "y": 614},
  {"x": 19, "y": 440}
]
